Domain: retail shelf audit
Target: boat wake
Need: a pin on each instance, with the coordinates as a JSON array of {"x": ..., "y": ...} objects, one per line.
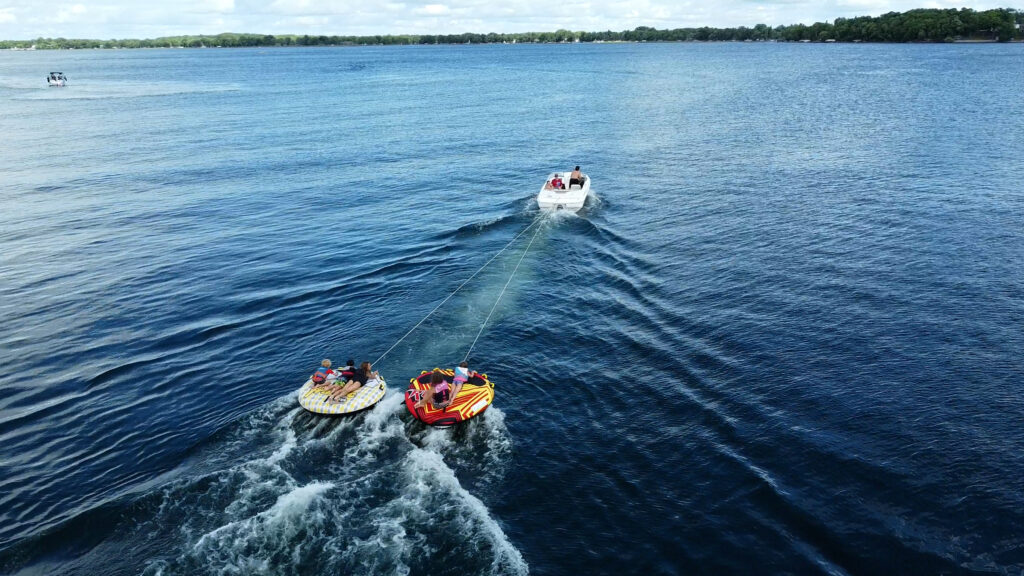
[
  {"x": 113, "y": 90},
  {"x": 320, "y": 495}
]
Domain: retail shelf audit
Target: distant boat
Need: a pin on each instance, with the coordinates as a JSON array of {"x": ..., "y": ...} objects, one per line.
[
  {"x": 57, "y": 79},
  {"x": 558, "y": 194}
]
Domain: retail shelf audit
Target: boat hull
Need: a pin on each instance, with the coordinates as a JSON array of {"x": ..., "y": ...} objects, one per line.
[{"x": 571, "y": 199}]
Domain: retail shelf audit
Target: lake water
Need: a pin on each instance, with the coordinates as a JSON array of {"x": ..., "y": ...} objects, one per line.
[{"x": 783, "y": 336}]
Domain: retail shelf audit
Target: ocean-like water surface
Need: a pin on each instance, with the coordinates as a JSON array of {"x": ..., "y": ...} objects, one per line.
[{"x": 783, "y": 336}]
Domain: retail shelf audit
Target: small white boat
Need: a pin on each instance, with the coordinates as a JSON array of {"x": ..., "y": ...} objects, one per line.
[
  {"x": 57, "y": 79},
  {"x": 558, "y": 193}
]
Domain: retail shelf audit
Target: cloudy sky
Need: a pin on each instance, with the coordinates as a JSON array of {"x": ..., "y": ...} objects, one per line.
[{"x": 26, "y": 19}]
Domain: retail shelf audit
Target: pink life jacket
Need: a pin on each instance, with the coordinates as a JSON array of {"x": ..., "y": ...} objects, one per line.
[{"x": 442, "y": 392}]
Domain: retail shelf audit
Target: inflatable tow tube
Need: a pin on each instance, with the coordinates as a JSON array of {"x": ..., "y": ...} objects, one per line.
[
  {"x": 476, "y": 395},
  {"x": 314, "y": 397}
]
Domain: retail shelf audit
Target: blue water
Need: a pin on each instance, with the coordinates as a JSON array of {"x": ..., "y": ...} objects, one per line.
[{"x": 783, "y": 336}]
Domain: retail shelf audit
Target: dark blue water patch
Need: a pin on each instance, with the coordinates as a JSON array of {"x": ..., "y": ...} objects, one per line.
[{"x": 782, "y": 336}]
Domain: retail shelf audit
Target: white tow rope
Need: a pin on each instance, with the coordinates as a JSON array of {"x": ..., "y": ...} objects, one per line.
[
  {"x": 532, "y": 224},
  {"x": 500, "y": 294}
]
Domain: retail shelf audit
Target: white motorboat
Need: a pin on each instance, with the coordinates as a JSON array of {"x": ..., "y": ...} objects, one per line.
[
  {"x": 558, "y": 193},
  {"x": 57, "y": 79}
]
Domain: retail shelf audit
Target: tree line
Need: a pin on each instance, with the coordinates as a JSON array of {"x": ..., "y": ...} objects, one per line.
[{"x": 922, "y": 25}]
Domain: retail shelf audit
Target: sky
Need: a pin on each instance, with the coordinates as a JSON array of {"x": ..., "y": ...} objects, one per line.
[{"x": 104, "y": 19}]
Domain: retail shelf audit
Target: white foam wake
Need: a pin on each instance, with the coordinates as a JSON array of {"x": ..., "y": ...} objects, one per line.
[
  {"x": 280, "y": 521},
  {"x": 361, "y": 497}
]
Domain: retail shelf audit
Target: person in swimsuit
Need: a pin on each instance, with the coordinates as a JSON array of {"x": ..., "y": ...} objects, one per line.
[
  {"x": 363, "y": 375},
  {"x": 576, "y": 178},
  {"x": 439, "y": 394},
  {"x": 348, "y": 371},
  {"x": 462, "y": 375}
]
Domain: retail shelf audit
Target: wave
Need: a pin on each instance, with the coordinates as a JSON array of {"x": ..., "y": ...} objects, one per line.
[
  {"x": 109, "y": 91},
  {"x": 300, "y": 495}
]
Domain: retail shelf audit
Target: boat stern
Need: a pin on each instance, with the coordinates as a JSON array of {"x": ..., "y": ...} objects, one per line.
[{"x": 571, "y": 198}]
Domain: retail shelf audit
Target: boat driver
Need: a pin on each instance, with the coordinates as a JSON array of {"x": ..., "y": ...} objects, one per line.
[{"x": 576, "y": 178}]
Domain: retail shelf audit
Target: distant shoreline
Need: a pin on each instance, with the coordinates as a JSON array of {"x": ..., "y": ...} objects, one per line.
[
  {"x": 920, "y": 26},
  {"x": 353, "y": 45}
]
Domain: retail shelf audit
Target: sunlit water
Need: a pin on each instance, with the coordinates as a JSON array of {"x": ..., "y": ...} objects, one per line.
[{"x": 784, "y": 335}]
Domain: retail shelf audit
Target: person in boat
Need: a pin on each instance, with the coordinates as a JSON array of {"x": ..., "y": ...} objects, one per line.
[
  {"x": 335, "y": 379},
  {"x": 557, "y": 183},
  {"x": 576, "y": 178},
  {"x": 348, "y": 371},
  {"x": 324, "y": 375},
  {"x": 462, "y": 375},
  {"x": 439, "y": 394},
  {"x": 360, "y": 377}
]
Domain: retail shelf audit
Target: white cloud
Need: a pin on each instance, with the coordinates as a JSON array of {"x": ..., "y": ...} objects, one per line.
[
  {"x": 70, "y": 13},
  {"x": 311, "y": 21},
  {"x": 862, "y": 4},
  {"x": 221, "y": 5},
  {"x": 433, "y": 10},
  {"x": 293, "y": 6},
  {"x": 7, "y": 16}
]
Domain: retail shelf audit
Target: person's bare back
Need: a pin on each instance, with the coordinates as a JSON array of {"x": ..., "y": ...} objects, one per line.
[{"x": 576, "y": 177}]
